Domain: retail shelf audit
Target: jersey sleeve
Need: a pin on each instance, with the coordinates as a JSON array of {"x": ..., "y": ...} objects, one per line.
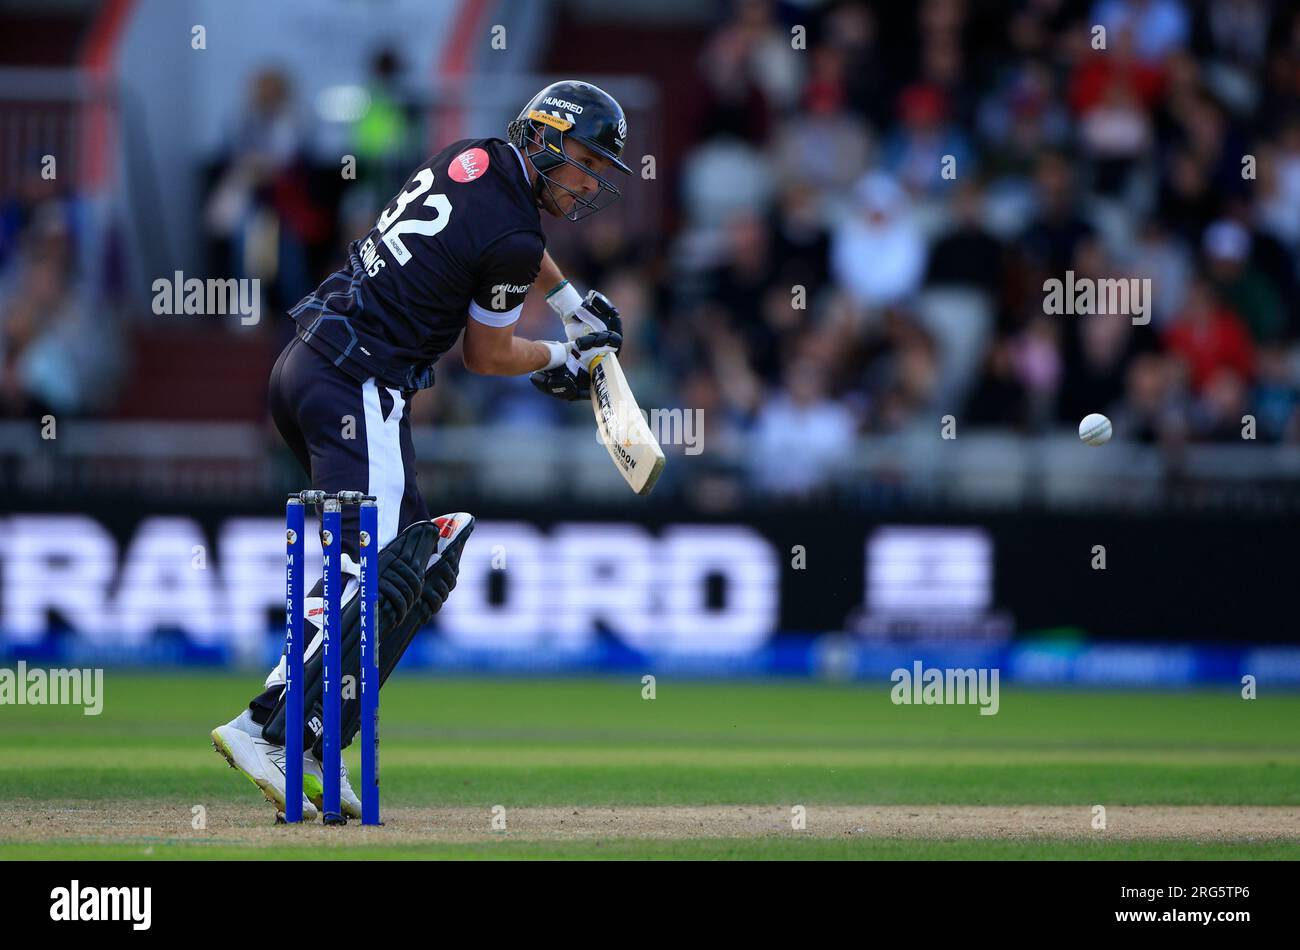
[{"x": 510, "y": 265}]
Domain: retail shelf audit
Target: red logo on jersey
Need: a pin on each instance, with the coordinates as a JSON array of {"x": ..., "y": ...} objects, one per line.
[{"x": 468, "y": 165}]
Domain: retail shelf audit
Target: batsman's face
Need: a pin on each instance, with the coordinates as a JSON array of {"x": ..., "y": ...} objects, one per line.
[{"x": 574, "y": 179}]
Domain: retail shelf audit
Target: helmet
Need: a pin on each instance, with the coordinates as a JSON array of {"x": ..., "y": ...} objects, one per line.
[{"x": 570, "y": 109}]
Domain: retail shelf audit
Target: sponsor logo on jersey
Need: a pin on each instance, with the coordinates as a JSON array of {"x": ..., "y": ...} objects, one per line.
[
  {"x": 511, "y": 288},
  {"x": 469, "y": 165},
  {"x": 564, "y": 104}
]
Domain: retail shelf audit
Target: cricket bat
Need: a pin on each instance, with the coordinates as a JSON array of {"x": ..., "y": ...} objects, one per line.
[{"x": 623, "y": 430}]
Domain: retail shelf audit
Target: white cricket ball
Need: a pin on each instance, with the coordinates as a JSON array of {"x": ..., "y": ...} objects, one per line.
[{"x": 1095, "y": 429}]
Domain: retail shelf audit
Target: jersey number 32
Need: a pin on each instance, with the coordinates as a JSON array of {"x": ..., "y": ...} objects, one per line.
[{"x": 394, "y": 231}]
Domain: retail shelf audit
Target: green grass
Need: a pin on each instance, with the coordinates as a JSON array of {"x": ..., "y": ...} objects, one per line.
[{"x": 597, "y": 742}]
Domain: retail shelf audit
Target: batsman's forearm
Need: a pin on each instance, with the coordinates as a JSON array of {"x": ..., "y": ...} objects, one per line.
[
  {"x": 524, "y": 356},
  {"x": 548, "y": 275},
  {"x": 561, "y": 296}
]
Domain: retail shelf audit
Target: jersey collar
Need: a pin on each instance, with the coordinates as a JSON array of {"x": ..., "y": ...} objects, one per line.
[{"x": 523, "y": 166}]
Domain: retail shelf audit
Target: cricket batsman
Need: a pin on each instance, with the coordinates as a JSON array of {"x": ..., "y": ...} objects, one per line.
[{"x": 456, "y": 251}]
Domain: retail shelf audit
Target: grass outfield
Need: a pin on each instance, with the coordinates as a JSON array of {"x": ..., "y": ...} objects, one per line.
[{"x": 473, "y": 744}]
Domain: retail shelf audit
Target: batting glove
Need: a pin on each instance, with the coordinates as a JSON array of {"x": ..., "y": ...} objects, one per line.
[
  {"x": 573, "y": 379},
  {"x": 582, "y": 315}
]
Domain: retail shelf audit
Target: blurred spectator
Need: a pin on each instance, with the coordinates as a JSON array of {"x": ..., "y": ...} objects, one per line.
[
  {"x": 878, "y": 254},
  {"x": 724, "y": 176},
  {"x": 603, "y": 247},
  {"x": 1154, "y": 410},
  {"x": 809, "y": 432},
  {"x": 852, "y": 28},
  {"x": 943, "y": 68},
  {"x": 1050, "y": 241},
  {"x": 1235, "y": 33},
  {"x": 1096, "y": 350},
  {"x": 1036, "y": 355},
  {"x": 1115, "y": 72},
  {"x": 1278, "y": 201},
  {"x": 1216, "y": 414},
  {"x": 1283, "y": 72},
  {"x": 1116, "y": 133},
  {"x": 265, "y": 142},
  {"x": 1242, "y": 287},
  {"x": 911, "y": 376},
  {"x": 1187, "y": 202},
  {"x": 1277, "y": 396},
  {"x": 1167, "y": 264},
  {"x": 261, "y": 215},
  {"x": 1205, "y": 133},
  {"x": 1096, "y": 360},
  {"x": 916, "y": 152},
  {"x": 1273, "y": 263},
  {"x": 385, "y": 133},
  {"x": 1207, "y": 336},
  {"x": 823, "y": 145},
  {"x": 966, "y": 254},
  {"x": 741, "y": 287},
  {"x": 58, "y": 353},
  {"x": 999, "y": 396},
  {"x": 1020, "y": 119},
  {"x": 385, "y": 140},
  {"x": 1157, "y": 27},
  {"x": 752, "y": 53},
  {"x": 37, "y": 196},
  {"x": 802, "y": 243}
]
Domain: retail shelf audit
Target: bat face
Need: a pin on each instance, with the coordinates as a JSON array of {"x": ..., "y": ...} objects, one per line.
[{"x": 623, "y": 430}]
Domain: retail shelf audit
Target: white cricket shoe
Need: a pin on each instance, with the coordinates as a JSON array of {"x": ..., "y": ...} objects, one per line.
[
  {"x": 313, "y": 786},
  {"x": 241, "y": 744}
]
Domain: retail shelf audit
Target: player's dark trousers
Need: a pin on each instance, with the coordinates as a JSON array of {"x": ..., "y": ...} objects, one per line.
[{"x": 347, "y": 435}]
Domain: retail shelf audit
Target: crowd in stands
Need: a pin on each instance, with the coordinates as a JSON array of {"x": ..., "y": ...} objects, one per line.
[
  {"x": 829, "y": 281},
  {"x": 862, "y": 229}
]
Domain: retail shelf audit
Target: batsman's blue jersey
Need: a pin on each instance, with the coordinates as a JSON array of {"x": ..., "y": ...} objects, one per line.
[{"x": 463, "y": 238}]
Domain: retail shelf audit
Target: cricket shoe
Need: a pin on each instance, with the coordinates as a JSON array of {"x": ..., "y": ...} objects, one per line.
[
  {"x": 240, "y": 742},
  {"x": 313, "y": 786}
]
